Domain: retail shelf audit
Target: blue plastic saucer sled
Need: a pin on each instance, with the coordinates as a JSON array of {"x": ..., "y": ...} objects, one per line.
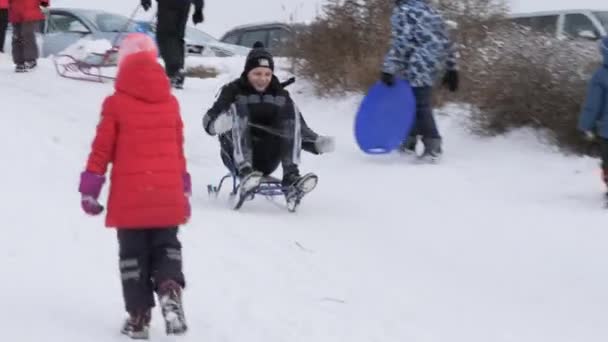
[{"x": 385, "y": 117}]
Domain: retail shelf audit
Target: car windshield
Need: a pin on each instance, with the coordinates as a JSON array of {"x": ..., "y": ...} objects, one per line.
[
  {"x": 198, "y": 35},
  {"x": 109, "y": 22},
  {"x": 603, "y": 18}
]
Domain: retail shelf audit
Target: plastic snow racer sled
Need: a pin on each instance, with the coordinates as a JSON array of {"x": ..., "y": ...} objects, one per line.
[
  {"x": 269, "y": 187},
  {"x": 385, "y": 117}
]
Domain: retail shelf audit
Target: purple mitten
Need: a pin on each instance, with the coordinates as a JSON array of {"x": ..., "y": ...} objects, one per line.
[
  {"x": 90, "y": 188},
  {"x": 90, "y": 205},
  {"x": 187, "y": 184},
  {"x": 90, "y": 184}
]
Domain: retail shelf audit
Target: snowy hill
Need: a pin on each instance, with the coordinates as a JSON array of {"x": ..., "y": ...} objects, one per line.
[{"x": 504, "y": 241}]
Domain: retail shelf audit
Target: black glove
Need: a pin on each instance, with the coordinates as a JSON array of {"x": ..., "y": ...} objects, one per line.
[
  {"x": 146, "y": 4},
  {"x": 44, "y": 4},
  {"x": 450, "y": 79},
  {"x": 388, "y": 79},
  {"x": 198, "y": 16}
]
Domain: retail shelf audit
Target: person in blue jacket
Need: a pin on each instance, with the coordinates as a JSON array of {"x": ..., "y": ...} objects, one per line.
[
  {"x": 594, "y": 115},
  {"x": 420, "y": 51}
]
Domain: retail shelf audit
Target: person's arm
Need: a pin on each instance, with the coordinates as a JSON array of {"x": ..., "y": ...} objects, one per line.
[
  {"x": 401, "y": 31},
  {"x": 199, "y": 4},
  {"x": 104, "y": 144},
  {"x": 222, "y": 104}
]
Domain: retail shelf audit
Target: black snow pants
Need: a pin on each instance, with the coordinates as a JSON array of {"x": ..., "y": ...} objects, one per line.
[
  {"x": 604, "y": 156},
  {"x": 265, "y": 153},
  {"x": 3, "y": 26},
  {"x": 25, "y": 48},
  {"x": 148, "y": 258},
  {"x": 170, "y": 33}
]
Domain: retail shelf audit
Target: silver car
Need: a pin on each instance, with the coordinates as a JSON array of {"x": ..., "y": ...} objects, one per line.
[{"x": 63, "y": 27}]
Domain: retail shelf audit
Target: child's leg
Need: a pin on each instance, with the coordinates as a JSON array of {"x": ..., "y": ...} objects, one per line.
[
  {"x": 604, "y": 156},
  {"x": 30, "y": 47},
  {"x": 17, "y": 44},
  {"x": 166, "y": 260},
  {"x": 138, "y": 291},
  {"x": 425, "y": 121},
  {"x": 166, "y": 256},
  {"x": 3, "y": 26}
]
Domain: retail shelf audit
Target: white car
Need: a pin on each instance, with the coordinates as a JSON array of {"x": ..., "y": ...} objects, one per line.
[
  {"x": 64, "y": 27},
  {"x": 568, "y": 24}
]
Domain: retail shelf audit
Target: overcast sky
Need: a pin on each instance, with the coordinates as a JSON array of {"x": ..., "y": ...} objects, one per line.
[{"x": 221, "y": 15}]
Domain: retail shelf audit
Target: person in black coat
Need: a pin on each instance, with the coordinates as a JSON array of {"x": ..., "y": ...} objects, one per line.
[
  {"x": 170, "y": 33},
  {"x": 260, "y": 126}
]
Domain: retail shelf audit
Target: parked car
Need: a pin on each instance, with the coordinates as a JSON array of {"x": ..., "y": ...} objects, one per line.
[
  {"x": 276, "y": 36},
  {"x": 64, "y": 27},
  {"x": 568, "y": 24},
  {"x": 201, "y": 43}
]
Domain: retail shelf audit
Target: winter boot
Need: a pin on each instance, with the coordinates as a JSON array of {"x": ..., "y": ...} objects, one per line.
[
  {"x": 137, "y": 325},
  {"x": 31, "y": 65},
  {"x": 432, "y": 150},
  {"x": 293, "y": 181},
  {"x": 177, "y": 80},
  {"x": 249, "y": 179},
  {"x": 409, "y": 146},
  {"x": 170, "y": 299},
  {"x": 20, "y": 68}
]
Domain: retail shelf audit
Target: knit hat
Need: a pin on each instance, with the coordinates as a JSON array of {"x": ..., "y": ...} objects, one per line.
[
  {"x": 259, "y": 57},
  {"x": 135, "y": 43}
]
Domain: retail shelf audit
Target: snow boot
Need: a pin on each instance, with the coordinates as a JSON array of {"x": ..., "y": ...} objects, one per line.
[
  {"x": 432, "y": 150},
  {"x": 296, "y": 187},
  {"x": 31, "y": 65},
  {"x": 409, "y": 146},
  {"x": 137, "y": 325},
  {"x": 249, "y": 180},
  {"x": 177, "y": 80},
  {"x": 170, "y": 299},
  {"x": 20, "y": 68}
]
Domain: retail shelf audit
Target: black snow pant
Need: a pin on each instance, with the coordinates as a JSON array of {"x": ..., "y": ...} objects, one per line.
[
  {"x": 25, "y": 48},
  {"x": 425, "y": 124},
  {"x": 3, "y": 26},
  {"x": 265, "y": 153},
  {"x": 148, "y": 258},
  {"x": 170, "y": 33},
  {"x": 604, "y": 156},
  {"x": 262, "y": 147}
]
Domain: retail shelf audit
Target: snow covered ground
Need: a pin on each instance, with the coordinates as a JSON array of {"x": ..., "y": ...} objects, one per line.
[{"x": 504, "y": 241}]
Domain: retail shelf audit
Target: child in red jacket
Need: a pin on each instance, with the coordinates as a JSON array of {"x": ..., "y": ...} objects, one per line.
[
  {"x": 141, "y": 134},
  {"x": 25, "y": 15}
]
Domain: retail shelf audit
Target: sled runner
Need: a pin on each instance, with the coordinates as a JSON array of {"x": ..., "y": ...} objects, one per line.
[
  {"x": 269, "y": 187},
  {"x": 89, "y": 69}
]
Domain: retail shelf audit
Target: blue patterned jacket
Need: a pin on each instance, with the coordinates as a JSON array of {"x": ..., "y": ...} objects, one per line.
[{"x": 420, "y": 47}]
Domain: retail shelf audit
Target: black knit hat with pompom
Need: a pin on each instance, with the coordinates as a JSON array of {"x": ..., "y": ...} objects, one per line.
[{"x": 259, "y": 57}]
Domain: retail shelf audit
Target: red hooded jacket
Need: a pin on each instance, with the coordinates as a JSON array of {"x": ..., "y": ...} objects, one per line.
[
  {"x": 25, "y": 10},
  {"x": 141, "y": 134}
]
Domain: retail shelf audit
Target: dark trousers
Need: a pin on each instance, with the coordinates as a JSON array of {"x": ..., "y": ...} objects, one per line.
[
  {"x": 170, "y": 32},
  {"x": 25, "y": 48},
  {"x": 3, "y": 26},
  {"x": 148, "y": 258},
  {"x": 604, "y": 155},
  {"x": 265, "y": 153},
  {"x": 425, "y": 121}
]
